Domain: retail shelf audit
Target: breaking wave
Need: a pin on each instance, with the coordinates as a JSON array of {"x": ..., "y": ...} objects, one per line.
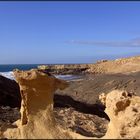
[{"x": 10, "y": 75}]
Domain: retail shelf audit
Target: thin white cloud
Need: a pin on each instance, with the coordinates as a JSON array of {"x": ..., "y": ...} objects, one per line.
[{"x": 130, "y": 43}]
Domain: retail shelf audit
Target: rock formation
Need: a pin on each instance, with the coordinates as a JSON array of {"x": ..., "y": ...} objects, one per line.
[
  {"x": 9, "y": 92},
  {"x": 65, "y": 69},
  {"x": 123, "y": 109},
  {"x": 122, "y": 65},
  {"x": 37, "y": 119}
]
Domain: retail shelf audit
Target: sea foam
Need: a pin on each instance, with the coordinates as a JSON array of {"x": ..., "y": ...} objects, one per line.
[{"x": 10, "y": 75}]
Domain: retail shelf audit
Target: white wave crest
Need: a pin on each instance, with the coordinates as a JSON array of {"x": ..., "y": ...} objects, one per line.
[{"x": 8, "y": 74}]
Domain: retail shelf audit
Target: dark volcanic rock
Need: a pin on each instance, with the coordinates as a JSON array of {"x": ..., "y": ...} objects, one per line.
[{"x": 9, "y": 93}]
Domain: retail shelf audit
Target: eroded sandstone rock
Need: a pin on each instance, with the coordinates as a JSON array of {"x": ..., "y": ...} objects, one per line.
[
  {"x": 123, "y": 109},
  {"x": 37, "y": 119},
  {"x": 37, "y": 90}
]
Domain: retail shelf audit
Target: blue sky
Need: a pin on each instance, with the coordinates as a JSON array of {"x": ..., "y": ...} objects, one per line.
[{"x": 68, "y": 32}]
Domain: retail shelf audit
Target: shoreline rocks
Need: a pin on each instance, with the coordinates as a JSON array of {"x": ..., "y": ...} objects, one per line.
[
  {"x": 122, "y": 65},
  {"x": 74, "y": 69}
]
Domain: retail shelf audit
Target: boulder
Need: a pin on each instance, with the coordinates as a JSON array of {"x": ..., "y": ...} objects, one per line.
[
  {"x": 123, "y": 109},
  {"x": 9, "y": 92}
]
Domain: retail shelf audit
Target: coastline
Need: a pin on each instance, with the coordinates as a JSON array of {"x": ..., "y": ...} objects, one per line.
[{"x": 81, "y": 97}]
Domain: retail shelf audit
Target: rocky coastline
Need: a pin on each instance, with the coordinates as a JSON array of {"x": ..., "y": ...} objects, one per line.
[
  {"x": 82, "y": 108},
  {"x": 74, "y": 69}
]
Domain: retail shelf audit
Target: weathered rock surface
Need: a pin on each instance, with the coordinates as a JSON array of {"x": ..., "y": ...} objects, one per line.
[
  {"x": 9, "y": 92},
  {"x": 39, "y": 121},
  {"x": 122, "y": 74},
  {"x": 88, "y": 125},
  {"x": 68, "y": 118},
  {"x": 37, "y": 118},
  {"x": 123, "y": 109}
]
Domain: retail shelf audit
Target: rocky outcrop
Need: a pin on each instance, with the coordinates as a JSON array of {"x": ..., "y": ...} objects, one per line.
[
  {"x": 68, "y": 118},
  {"x": 122, "y": 65},
  {"x": 86, "y": 124},
  {"x": 37, "y": 115},
  {"x": 65, "y": 69},
  {"x": 123, "y": 109},
  {"x": 37, "y": 118},
  {"x": 9, "y": 92}
]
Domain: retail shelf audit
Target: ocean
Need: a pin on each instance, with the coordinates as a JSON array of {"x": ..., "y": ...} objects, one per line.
[{"x": 6, "y": 71}]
